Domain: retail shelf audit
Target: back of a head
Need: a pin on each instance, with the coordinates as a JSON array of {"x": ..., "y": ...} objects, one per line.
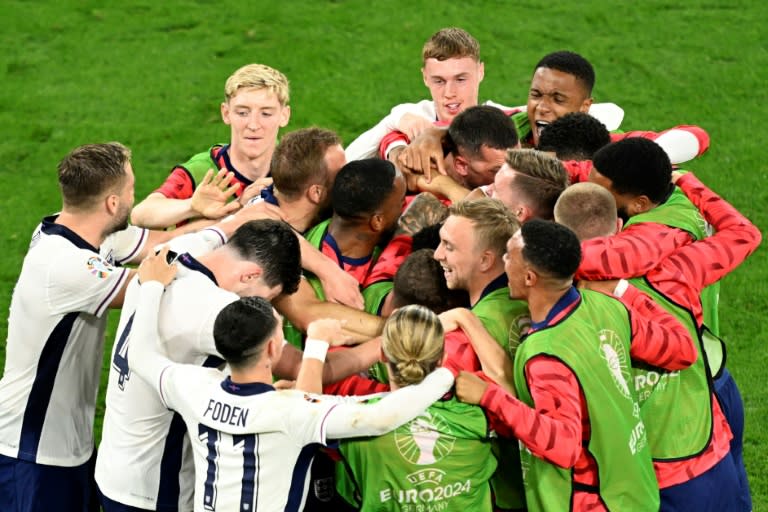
[
  {"x": 552, "y": 249},
  {"x": 588, "y": 210},
  {"x": 451, "y": 43},
  {"x": 481, "y": 125},
  {"x": 574, "y": 136},
  {"x": 571, "y": 63},
  {"x": 299, "y": 160},
  {"x": 361, "y": 187},
  {"x": 493, "y": 223},
  {"x": 90, "y": 171},
  {"x": 541, "y": 178},
  {"x": 258, "y": 76},
  {"x": 412, "y": 340},
  {"x": 420, "y": 280},
  {"x": 275, "y": 247},
  {"x": 636, "y": 166},
  {"x": 242, "y": 328}
]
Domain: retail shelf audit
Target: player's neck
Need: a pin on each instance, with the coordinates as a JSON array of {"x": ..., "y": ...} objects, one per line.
[
  {"x": 260, "y": 372},
  {"x": 478, "y": 285},
  {"x": 542, "y": 300},
  {"x": 252, "y": 168},
  {"x": 89, "y": 227},
  {"x": 301, "y": 213},
  {"x": 353, "y": 241}
]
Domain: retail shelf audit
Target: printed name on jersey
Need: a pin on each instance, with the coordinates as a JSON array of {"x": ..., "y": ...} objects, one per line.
[{"x": 99, "y": 267}]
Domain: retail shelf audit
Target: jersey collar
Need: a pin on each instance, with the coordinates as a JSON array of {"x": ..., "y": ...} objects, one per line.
[
  {"x": 496, "y": 284},
  {"x": 191, "y": 263},
  {"x": 49, "y": 227},
  {"x": 248, "y": 389},
  {"x": 564, "y": 305}
]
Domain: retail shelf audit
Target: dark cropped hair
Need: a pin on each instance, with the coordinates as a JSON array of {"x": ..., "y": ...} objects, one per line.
[
  {"x": 551, "y": 248},
  {"x": 419, "y": 280},
  {"x": 480, "y": 126},
  {"x": 361, "y": 187},
  {"x": 574, "y": 136},
  {"x": 241, "y": 329},
  {"x": 275, "y": 247},
  {"x": 636, "y": 166},
  {"x": 90, "y": 171},
  {"x": 571, "y": 63}
]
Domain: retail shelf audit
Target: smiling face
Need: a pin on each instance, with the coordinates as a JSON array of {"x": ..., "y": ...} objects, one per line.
[
  {"x": 454, "y": 84},
  {"x": 553, "y": 94},
  {"x": 255, "y": 116},
  {"x": 457, "y": 252}
]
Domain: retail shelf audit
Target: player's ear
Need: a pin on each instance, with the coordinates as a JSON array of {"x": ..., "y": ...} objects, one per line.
[
  {"x": 585, "y": 105},
  {"x": 112, "y": 202},
  {"x": 639, "y": 204},
  {"x": 376, "y": 222},
  {"x": 225, "y": 113},
  {"x": 251, "y": 273},
  {"x": 487, "y": 260},
  {"x": 461, "y": 165},
  {"x": 523, "y": 213},
  {"x": 285, "y": 115},
  {"x": 315, "y": 193}
]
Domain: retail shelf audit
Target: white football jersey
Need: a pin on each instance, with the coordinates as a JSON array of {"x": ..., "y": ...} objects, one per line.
[
  {"x": 252, "y": 445},
  {"x": 56, "y": 340},
  {"x": 142, "y": 446}
]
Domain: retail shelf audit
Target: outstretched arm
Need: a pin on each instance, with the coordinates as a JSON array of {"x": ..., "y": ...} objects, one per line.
[{"x": 397, "y": 408}]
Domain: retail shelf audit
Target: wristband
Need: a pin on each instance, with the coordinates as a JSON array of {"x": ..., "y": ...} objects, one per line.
[
  {"x": 621, "y": 287},
  {"x": 315, "y": 349}
]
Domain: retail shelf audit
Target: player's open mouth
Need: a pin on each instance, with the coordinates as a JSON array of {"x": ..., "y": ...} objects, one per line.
[
  {"x": 540, "y": 127},
  {"x": 453, "y": 108}
]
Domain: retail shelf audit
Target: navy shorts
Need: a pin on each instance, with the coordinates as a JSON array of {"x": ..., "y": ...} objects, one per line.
[
  {"x": 716, "y": 490},
  {"x": 733, "y": 409},
  {"x": 31, "y": 487}
]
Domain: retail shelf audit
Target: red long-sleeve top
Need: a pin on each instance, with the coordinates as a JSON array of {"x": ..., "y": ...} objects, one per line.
[{"x": 557, "y": 428}]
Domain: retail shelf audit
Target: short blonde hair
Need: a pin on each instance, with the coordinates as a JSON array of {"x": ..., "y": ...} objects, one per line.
[
  {"x": 258, "y": 76},
  {"x": 451, "y": 43},
  {"x": 588, "y": 209},
  {"x": 413, "y": 341},
  {"x": 493, "y": 223}
]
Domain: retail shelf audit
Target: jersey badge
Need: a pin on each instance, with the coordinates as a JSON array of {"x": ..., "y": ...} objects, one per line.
[{"x": 99, "y": 267}]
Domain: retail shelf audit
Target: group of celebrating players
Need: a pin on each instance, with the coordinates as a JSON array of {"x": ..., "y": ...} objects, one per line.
[{"x": 471, "y": 307}]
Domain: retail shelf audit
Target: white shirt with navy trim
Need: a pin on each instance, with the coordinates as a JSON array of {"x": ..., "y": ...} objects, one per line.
[
  {"x": 55, "y": 342},
  {"x": 143, "y": 446}
]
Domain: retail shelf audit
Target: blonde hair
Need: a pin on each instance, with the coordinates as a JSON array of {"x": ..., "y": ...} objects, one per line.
[
  {"x": 258, "y": 76},
  {"x": 451, "y": 43},
  {"x": 588, "y": 209},
  {"x": 412, "y": 340},
  {"x": 541, "y": 178},
  {"x": 493, "y": 223}
]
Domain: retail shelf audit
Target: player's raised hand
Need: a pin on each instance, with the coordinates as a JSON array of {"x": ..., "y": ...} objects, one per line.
[
  {"x": 329, "y": 330},
  {"x": 424, "y": 155},
  {"x": 470, "y": 388},
  {"x": 155, "y": 267},
  {"x": 211, "y": 198},
  {"x": 413, "y": 125}
]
